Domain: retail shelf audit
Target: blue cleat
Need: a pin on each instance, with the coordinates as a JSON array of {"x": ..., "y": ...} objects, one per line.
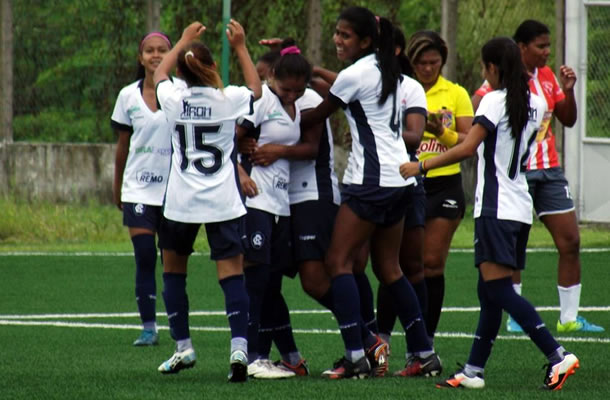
[
  {"x": 148, "y": 337},
  {"x": 512, "y": 326}
]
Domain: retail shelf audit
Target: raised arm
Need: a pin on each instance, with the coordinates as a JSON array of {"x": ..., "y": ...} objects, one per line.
[
  {"x": 566, "y": 110},
  {"x": 237, "y": 39},
  {"x": 190, "y": 33}
]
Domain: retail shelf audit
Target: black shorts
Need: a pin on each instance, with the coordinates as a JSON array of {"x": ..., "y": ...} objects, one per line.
[
  {"x": 383, "y": 206},
  {"x": 226, "y": 238},
  {"x": 138, "y": 215},
  {"x": 312, "y": 227},
  {"x": 500, "y": 241},
  {"x": 445, "y": 197},
  {"x": 550, "y": 191},
  {"x": 415, "y": 213},
  {"x": 268, "y": 239}
]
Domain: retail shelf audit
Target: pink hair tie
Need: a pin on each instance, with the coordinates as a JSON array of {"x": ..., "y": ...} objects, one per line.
[
  {"x": 290, "y": 50},
  {"x": 155, "y": 34}
]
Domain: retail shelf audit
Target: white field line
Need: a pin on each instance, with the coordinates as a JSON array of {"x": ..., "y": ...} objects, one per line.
[
  {"x": 222, "y": 313},
  {"x": 451, "y": 335},
  {"x": 206, "y": 253}
]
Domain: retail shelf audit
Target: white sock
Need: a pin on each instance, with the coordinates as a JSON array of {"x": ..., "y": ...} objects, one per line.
[
  {"x": 184, "y": 344},
  {"x": 569, "y": 302},
  {"x": 517, "y": 288}
]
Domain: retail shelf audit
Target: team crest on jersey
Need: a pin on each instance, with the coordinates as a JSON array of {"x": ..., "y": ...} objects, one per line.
[
  {"x": 139, "y": 209},
  {"x": 257, "y": 240},
  {"x": 147, "y": 177}
]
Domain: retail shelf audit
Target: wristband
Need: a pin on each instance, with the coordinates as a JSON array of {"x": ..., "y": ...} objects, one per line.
[
  {"x": 449, "y": 138},
  {"x": 422, "y": 167}
]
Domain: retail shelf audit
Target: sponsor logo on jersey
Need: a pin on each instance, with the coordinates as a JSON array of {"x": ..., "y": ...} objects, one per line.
[
  {"x": 166, "y": 152},
  {"x": 532, "y": 113},
  {"x": 139, "y": 209},
  {"x": 274, "y": 114},
  {"x": 195, "y": 112},
  {"x": 450, "y": 203},
  {"x": 257, "y": 240},
  {"x": 306, "y": 238},
  {"x": 280, "y": 183},
  {"x": 431, "y": 146},
  {"x": 144, "y": 176},
  {"x": 133, "y": 110},
  {"x": 145, "y": 149}
]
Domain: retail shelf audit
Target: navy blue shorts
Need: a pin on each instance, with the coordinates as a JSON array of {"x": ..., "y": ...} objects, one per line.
[
  {"x": 415, "y": 213},
  {"x": 383, "y": 206},
  {"x": 550, "y": 191},
  {"x": 138, "y": 215},
  {"x": 269, "y": 243},
  {"x": 312, "y": 226},
  {"x": 226, "y": 238},
  {"x": 500, "y": 241},
  {"x": 445, "y": 197}
]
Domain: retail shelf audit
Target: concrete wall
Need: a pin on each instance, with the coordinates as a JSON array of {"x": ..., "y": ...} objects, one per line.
[
  {"x": 58, "y": 172},
  {"x": 67, "y": 172}
]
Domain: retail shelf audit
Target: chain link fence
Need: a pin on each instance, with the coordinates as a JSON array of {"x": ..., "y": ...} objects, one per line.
[{"x": 598, "y": 76}]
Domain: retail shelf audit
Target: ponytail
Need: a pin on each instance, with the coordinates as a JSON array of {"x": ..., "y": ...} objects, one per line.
[
  {"x": 504, "y": 53},
  {"x": 388, "y": 63},
  {"x": 290, "y": 63},
  {"x": 197, "y": 67},
  {"x": 365, "y": 24}
]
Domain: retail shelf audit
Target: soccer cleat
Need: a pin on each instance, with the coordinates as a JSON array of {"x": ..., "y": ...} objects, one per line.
[
  {"x": 557, "y": 374},
  {"x": 580, "y": 325},
  {"x": 460, "y": 380},
  {"x": 239, "y": 366},
  {"x": 417, "y": 366},
  {"x": 180, "y": 360},
  {"x": 301, "y": 368},
  {"x": 345, "y": 369},
  {"x": 264, "y": 369},
  {"x": 512, "y": 326},
  {"x": 148, "y": 337},
  {"x": 377, "y": 355}
]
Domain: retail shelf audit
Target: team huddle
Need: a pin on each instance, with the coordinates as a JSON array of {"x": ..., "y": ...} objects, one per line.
[{"x": 254, "y": 164}]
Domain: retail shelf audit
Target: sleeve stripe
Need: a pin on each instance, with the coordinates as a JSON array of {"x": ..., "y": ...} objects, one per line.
[{"x": 120, "y": 127}]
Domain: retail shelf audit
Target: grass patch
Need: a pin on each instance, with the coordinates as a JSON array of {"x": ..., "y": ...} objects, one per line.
[{"x": 92, "y": 226}]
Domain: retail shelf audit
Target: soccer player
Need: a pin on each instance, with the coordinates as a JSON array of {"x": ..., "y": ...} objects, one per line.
[
  {"x": 504, "y": 127},
  {"x": 265, "y": 180},
  {"x": 547, "y": 184},
  {"x": 203, "y": 187},
  {"x": 372, "y": 201},
  {"x": 414, "y": 108},
  {"x": 140, "y": 173}
]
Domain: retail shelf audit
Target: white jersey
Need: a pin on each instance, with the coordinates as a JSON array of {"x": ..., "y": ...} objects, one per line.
[
  {"x": 413, "y": 101},
  {"x": 276, "y": 126},
  {"x": 147, "y": 166},
  {"x": 378, "y": 149},
  {"x": 203, "y": 185},
  {"x": 502, "y": 190},
  {"x": 315, "y": 179}
]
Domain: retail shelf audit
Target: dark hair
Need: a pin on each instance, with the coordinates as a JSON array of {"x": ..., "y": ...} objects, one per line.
[
  {"x": 291, "y": 64},
  {"x": 529, "y": 30},
  {"x": 196, "y": 65},
  {"x": 365, "y": 24},
  {"x": 400, "y": 43},
  {"x": 504, "y": 53},
  {"x": 269, "y": 57},
  {"x": 423, "y": 41},
  {"x": 141, "y": 72}
]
